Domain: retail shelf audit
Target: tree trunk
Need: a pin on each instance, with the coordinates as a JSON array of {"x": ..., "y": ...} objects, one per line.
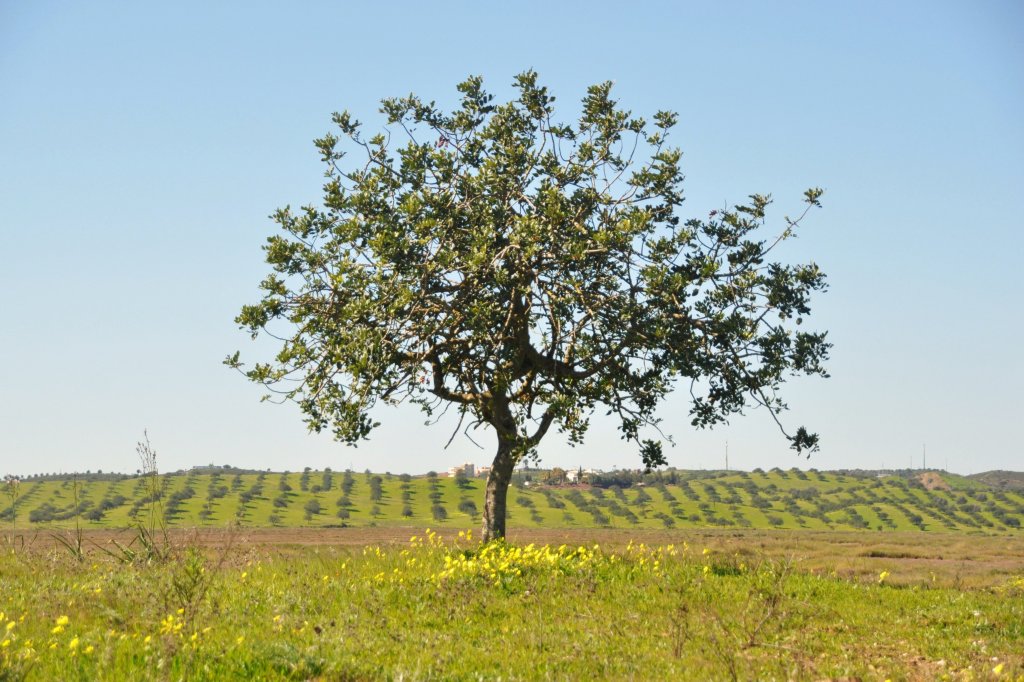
[{"x": 496, "y": 493}]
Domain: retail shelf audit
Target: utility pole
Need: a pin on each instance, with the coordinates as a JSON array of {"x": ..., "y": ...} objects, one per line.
[
  {"x": 924, "y": 456},
  {"x": 726, "y": 455}
]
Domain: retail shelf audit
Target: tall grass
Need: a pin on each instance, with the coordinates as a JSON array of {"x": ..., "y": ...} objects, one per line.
[{"x": 456, "y": 609}]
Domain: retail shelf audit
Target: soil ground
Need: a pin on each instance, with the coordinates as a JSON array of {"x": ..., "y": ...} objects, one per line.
[{"x": 911, "y": 558}]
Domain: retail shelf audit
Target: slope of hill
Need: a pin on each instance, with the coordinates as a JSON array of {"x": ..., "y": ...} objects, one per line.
[
  {"x": 1000, "y": 480},
  {"x": 774, "y": 499}
]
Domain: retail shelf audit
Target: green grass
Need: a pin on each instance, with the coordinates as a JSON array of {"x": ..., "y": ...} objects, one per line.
[
  {"x": 450, "y": 609},
  {"x": 774, "y": 499}
]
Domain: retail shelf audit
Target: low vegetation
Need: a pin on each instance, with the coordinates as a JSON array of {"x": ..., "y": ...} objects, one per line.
[
  {"x": 218, "y": 573},
  {"x": 433, "y": 607}
]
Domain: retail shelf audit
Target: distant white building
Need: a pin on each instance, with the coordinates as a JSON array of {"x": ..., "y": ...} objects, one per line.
[
  {"x": 580, "y": 474},
  {"x": 468, "y": 469}
]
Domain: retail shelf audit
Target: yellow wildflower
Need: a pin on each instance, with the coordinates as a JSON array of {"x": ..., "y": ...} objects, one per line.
[{"x": 73, "y": 644}]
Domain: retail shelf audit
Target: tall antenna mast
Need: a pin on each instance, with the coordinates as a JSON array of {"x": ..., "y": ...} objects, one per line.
[
  {"x": 726, "y": 455},
  {"x": 924, "y": 456}
]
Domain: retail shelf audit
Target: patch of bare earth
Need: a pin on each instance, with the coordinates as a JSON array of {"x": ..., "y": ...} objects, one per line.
[
  {"x": 932, "y": 481},
  {"x": 911, "y": 558}
]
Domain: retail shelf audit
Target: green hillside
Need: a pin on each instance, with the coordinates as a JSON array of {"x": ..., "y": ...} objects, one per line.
[{"x": 675, "y": 499}]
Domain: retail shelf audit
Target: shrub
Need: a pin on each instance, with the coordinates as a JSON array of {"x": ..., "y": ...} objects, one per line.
[
  {"x": 553, "y": 501},
  {"x": 376, "y": 491}
]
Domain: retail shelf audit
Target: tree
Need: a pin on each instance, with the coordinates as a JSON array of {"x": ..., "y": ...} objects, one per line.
[
  {"x": 376, "y": 489},
  {"x": 557, "y": 476},
  {"x": 525, "y": 272}
]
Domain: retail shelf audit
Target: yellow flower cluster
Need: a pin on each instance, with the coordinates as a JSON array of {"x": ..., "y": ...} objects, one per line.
[
  {"x": 74, "y": 645},
  {"x": 62, "y": 623},
  {"x": 432, "y": 539},
  {"x": 499, "y": 562},
  {"x": 1013, "y": 585},
  {"x": 8, "y": 626},
  {"x": 651, "y": 557},
  {"x": 173, "y": 625},
  {"x": 10, "y": 652}
]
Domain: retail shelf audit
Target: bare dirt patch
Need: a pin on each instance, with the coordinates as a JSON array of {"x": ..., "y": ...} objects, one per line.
[
  {"x": 932, "y": 481},
  {"x": 910, "y": 558}
]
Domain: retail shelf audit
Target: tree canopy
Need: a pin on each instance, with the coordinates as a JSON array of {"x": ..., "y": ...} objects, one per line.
[{"x": 526, "y": 273}]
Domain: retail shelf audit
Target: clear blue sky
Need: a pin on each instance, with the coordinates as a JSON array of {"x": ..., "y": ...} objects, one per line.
[{"x": 143, "y": 145}]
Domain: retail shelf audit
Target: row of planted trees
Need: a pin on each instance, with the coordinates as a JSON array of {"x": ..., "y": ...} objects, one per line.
[{"x": 693, "y": 498}]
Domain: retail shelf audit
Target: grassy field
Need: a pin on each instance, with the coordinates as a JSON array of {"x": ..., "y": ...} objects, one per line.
[
  {"x": 775, "y": 499},
  {"x": 700, "y": 575},
  {"x": 391, "y": 603}
]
